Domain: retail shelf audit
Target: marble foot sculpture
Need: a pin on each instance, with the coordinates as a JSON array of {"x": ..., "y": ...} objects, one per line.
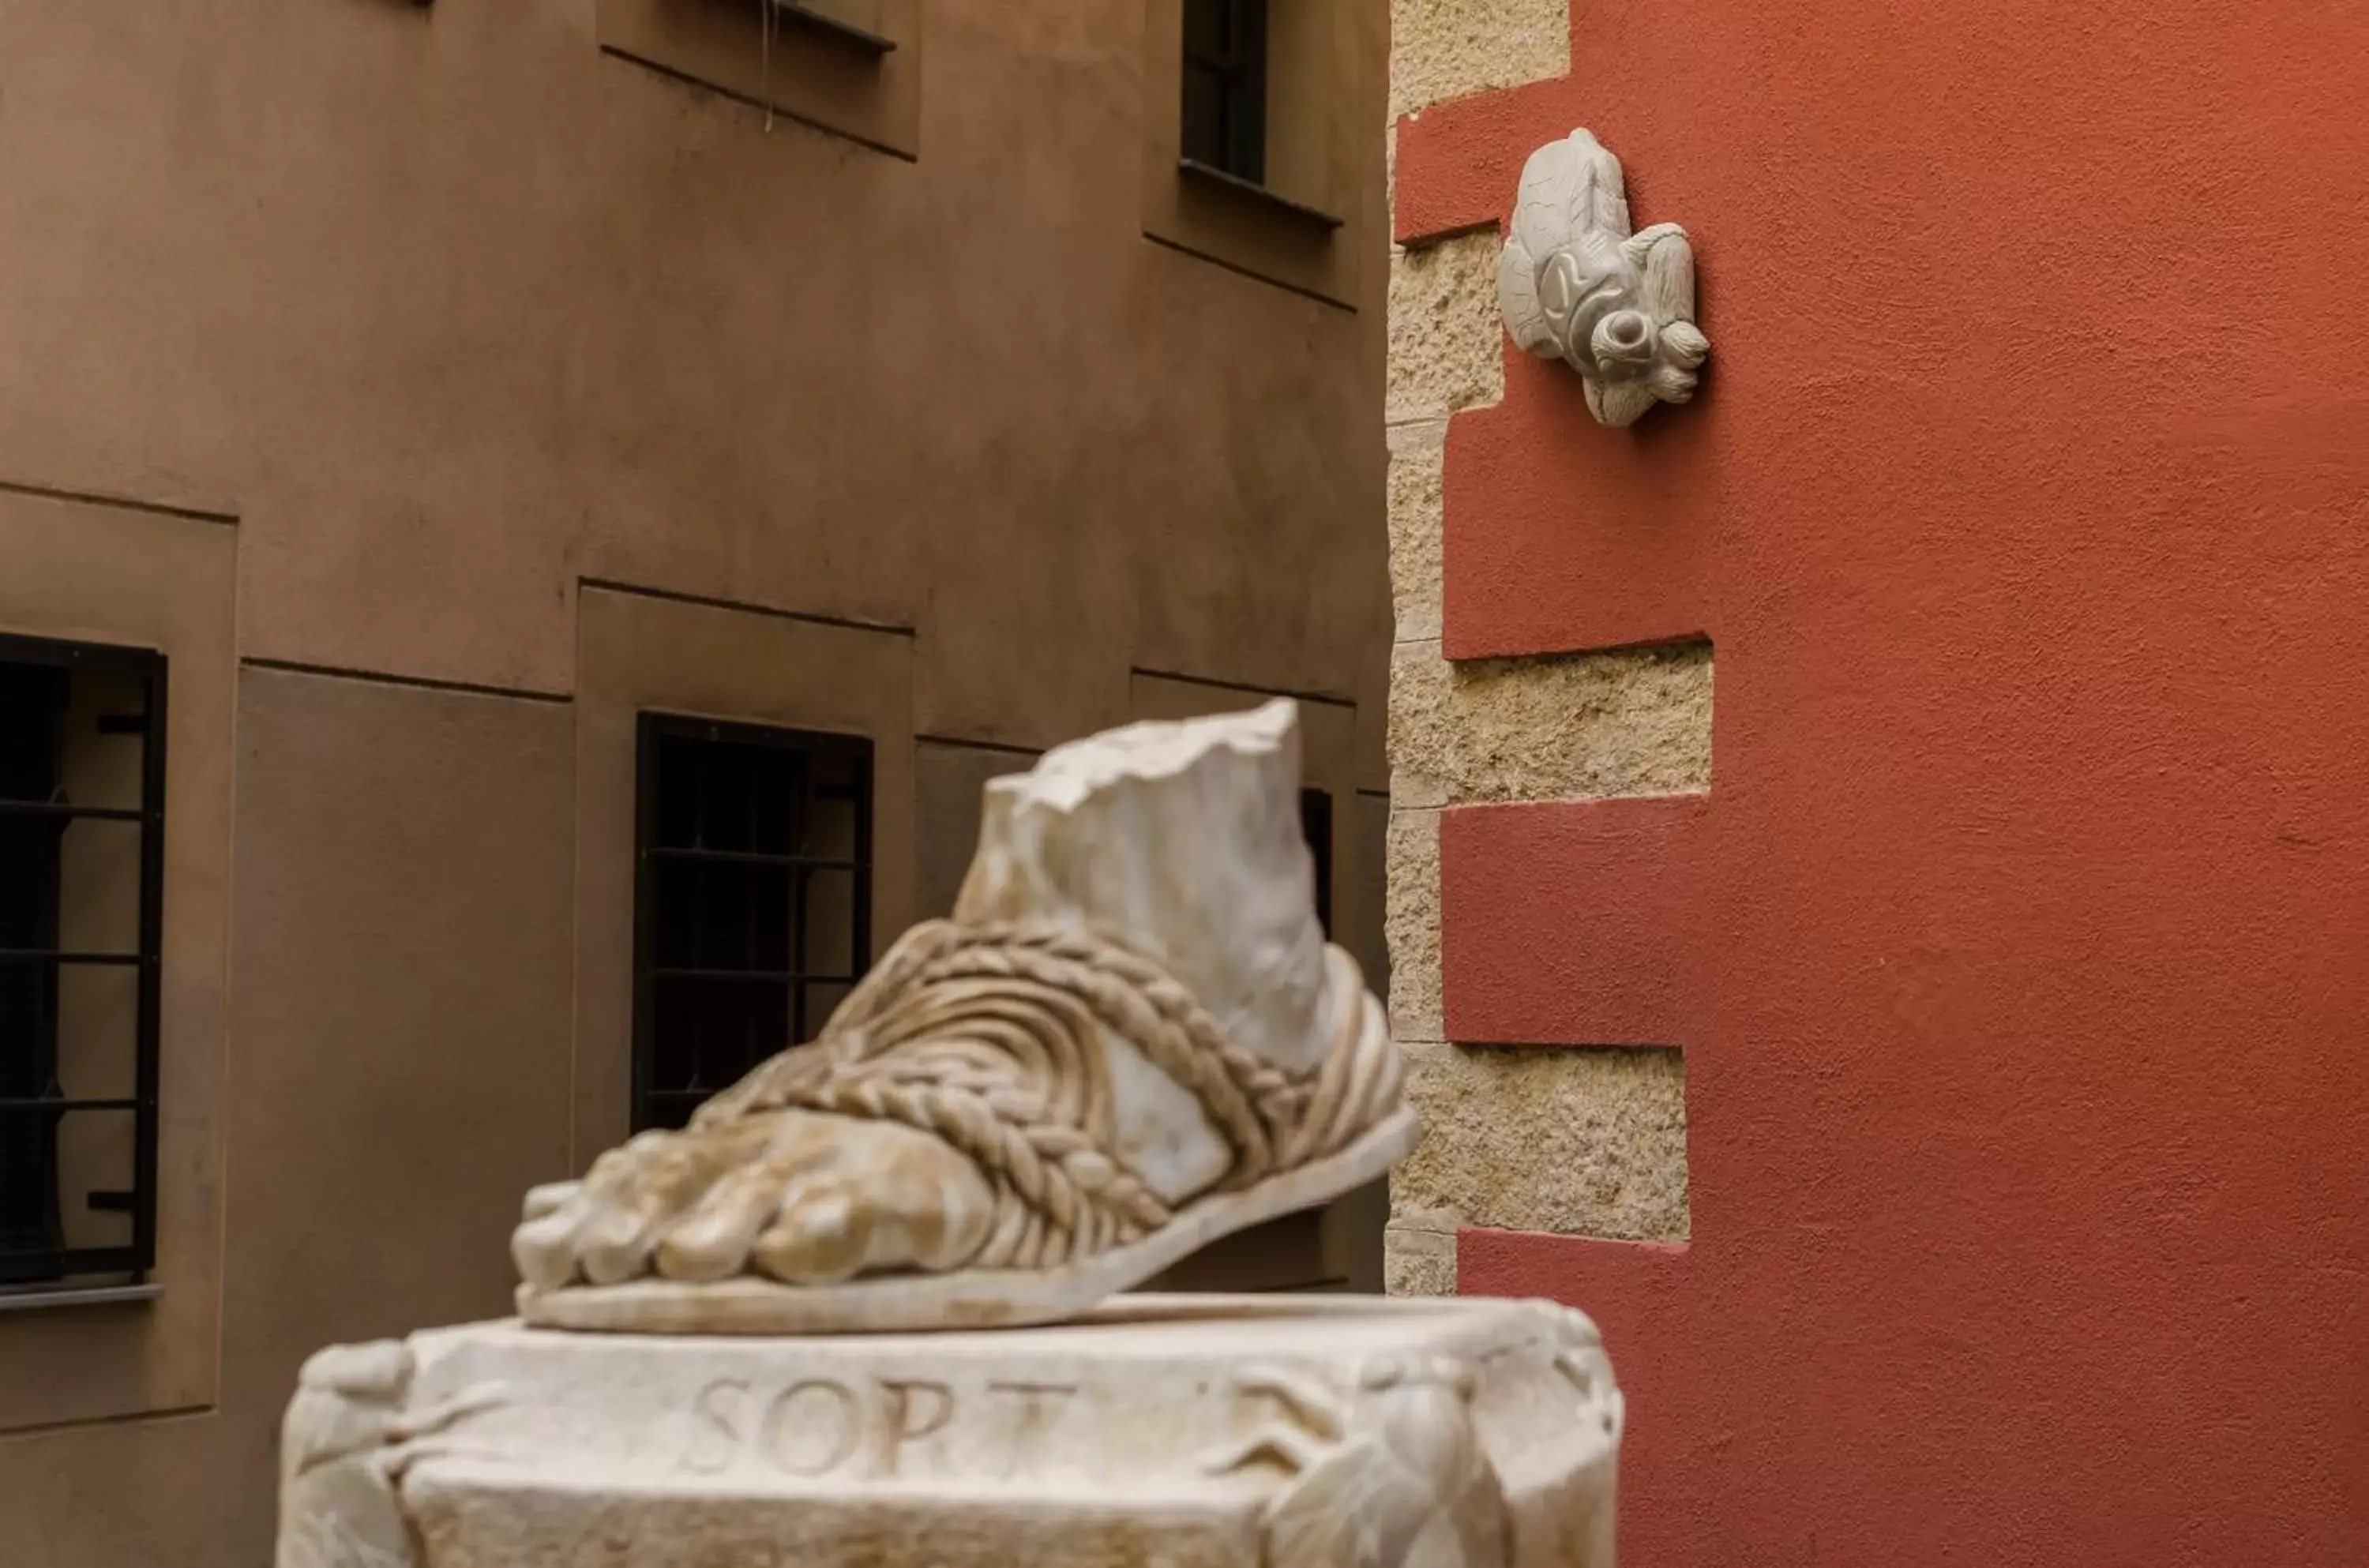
[{"x": 1130, "y": 1040}]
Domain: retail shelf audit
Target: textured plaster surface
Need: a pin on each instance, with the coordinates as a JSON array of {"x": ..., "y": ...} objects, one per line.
[
  {"x": 1445, "y": 49},
  {"x": 2015, "y": 949},
  {"x": 1587, "y": 725},
  {"x": 1567, "y": 1138}
]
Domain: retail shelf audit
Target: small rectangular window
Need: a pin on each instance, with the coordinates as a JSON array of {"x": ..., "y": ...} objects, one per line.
[
  {"x": 82, "y": 871},
  {"x": 1225, "y": 88},
  {"x": 753, "y": 901}
]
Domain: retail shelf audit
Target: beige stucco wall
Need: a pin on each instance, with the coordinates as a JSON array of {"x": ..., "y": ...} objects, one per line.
[
  {"x": 454, "y": 311},
  {"x": 1568, "y": 1138},
  {"x": 398, "y": 1071},
  {"x": 501, "y": 385}
]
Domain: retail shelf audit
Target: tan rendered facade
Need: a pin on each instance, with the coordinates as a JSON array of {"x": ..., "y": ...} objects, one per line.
[
  {"x": 438, "y": 387},
  {"x": 1567, "y": 1140}
]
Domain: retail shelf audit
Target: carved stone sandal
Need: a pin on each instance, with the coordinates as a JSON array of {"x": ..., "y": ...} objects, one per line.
[{"x": 1131, "y": 1040}]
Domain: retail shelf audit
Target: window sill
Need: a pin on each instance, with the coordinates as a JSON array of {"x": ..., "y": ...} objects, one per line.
[
  {"x": 40, "y": 1297},
  {"x": 862, "y": 40},
  {"x": 1257, "y": 192}
]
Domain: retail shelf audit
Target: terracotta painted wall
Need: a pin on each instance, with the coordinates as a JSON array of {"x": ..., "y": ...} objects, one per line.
[{"x": 2019, "y": 949}]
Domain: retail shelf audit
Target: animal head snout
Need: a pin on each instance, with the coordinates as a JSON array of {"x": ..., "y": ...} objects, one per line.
[{"x": 1623, "y": 337}]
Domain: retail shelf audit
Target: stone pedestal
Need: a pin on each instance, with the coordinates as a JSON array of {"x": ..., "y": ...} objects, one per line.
[{"x": 1187, "y": 1430}]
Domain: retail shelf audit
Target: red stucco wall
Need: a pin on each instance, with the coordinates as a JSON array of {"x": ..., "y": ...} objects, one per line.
[{"x": 2021, "y": 950}]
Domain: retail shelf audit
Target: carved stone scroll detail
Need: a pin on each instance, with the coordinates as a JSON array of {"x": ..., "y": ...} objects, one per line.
[
  {"x": 350, "y": 1436},
  {"x": 1390, "y": 1475}
]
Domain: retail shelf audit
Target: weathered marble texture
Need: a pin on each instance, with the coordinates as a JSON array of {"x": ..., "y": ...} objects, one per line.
[{"x": 1245, "y": 1432}]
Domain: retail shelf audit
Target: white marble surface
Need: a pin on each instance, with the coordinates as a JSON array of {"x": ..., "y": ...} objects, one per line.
[
  {"x": 1222, "y": 1431},
  {"x": 1575, "y": 284},
  {"x": 1184, "y": 841}
]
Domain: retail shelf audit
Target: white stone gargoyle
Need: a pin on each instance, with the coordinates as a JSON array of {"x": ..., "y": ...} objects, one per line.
[{"x": 1576, "y": 285}]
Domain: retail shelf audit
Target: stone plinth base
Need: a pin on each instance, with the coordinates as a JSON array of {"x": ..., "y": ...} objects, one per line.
[{"x": 1186, "y": 1430}]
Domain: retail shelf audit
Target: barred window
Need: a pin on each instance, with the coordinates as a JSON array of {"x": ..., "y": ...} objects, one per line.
[
  {"x": 82, "y": 871},
  {"x": 1225, "y": 88},
  {"x": 753, "y": 901}
]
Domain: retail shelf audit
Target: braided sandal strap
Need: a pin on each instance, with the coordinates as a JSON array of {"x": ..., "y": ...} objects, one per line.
[{"x": 988, "y": 1036}]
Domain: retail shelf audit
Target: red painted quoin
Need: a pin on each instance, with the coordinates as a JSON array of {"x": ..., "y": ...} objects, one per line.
[{"x": 2020, "y": 949}]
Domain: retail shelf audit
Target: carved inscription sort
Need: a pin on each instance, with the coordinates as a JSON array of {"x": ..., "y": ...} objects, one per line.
[{"x": 868, "y": 1428}]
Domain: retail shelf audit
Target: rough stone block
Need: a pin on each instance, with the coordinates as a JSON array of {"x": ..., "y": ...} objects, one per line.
[
  {"x": 1418, "y": 467},
  {"x": 1574, "y": 1140},
  {"x": 1413, "y": 922},
  {"x": 1416, "y": 1262},
  {"x": 1446, "y": 342},
  {"x": 1636, "y": 722},
  {"x": 1446, "y": 49}
]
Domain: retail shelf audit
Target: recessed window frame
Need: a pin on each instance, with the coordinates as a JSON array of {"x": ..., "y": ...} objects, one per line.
[
  {"x": 1232, "y": 141},
  {"x": 652, "y": 730},
  {"x": 47, "y": 1268},
  {"x": 1304, "y": 224},
  {"x": 857, "y": 77}
]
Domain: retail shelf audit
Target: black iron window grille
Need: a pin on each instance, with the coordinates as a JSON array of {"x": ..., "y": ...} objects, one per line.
[
  {"x": 753, "y": 901},
  {"x": 82, "y": 875},
  {"x": 1316, "y": 826},
  {"x": 1225, "y": 88}
]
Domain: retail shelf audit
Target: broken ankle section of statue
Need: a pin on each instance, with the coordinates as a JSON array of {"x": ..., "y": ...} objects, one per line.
[{"x": 869, "y": 1301}]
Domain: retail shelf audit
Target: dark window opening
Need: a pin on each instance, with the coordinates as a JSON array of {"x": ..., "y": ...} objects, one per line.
[
  {"x": 82, "y": 871},
  {"x": 1316, "y": 825},
  {"x": 1225, "y": 86},
  {"x": 753, "y": 901}
]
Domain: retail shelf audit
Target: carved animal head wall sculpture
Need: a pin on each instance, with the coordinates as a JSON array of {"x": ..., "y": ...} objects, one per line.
[{"x": 1575, "y": 284}]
